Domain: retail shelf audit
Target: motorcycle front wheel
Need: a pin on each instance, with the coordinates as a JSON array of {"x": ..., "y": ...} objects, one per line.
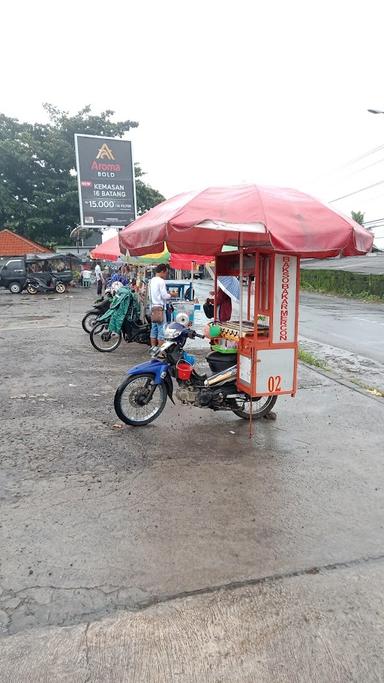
[
  {"x": 31, "y": 289},
  {"x": 102, "y": 339},
  {"x": 60, "y": 288},
  {"x": 89, "y": 321},
  {"x": 261, "y": 406},
  {"x": 131, "y": 400}
]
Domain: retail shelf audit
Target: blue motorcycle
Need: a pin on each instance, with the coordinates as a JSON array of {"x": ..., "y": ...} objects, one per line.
[{"x": 142, "y": 396}]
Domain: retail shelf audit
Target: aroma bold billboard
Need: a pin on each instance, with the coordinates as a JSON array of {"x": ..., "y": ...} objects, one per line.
[{"x": 105, "y": 180}]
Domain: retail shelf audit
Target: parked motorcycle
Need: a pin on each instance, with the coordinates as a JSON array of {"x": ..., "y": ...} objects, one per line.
[
  {"x": 132, "y": 331},
  {"x": 35, "y": 284},
  {"x": 99, "y": 307},
  {"x": 142, "y": 396}
]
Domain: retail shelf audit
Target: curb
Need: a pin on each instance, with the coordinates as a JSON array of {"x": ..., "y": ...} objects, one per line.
[{"x": 343, "y": 382}]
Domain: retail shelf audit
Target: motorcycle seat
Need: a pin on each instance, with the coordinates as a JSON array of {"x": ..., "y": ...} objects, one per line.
[{"x": 221, "y": 361}]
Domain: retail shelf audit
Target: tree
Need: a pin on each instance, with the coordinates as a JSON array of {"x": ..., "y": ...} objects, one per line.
[
  {"x": 358, "y": 216},
  {"x": 38, "y": 185}
]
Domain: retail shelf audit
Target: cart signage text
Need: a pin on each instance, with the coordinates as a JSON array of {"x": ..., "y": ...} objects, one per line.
[{"x": 284, "y": 309}]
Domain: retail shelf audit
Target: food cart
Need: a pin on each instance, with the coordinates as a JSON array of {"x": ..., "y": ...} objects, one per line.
[
  {"x": 272, "y": 229},
  {"x": 266, "y": 333}
]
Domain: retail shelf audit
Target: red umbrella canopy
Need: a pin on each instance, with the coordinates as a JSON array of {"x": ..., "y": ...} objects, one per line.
[
  {"x": 184, "y": 261},
  {"x": 108, "y": 250},
  {"x": 279, "y": 219}
]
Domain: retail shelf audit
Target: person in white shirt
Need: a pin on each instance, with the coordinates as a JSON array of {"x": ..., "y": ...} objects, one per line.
[
  {"x": 159, "y": 297},
  {"x": 99, "y": 279}
]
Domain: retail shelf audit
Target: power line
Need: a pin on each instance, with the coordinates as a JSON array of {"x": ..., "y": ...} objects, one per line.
[
  {"x": 362, "y": 189},
  {"x": 376, "y": 220},
  {"x": 364, "y": 168},
  {"x": 363, "y": 156},
  {"x": 339, "y": 169}
]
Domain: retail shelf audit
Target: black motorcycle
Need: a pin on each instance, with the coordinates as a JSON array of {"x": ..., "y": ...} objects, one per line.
[
  {"x": 34, "y": 284},
  {"x": 99, "y": 308},
  {"x": 132, "y": 331}
]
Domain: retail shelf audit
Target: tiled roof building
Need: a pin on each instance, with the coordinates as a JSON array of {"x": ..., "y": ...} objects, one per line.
[{"x": 15, "y": 245}]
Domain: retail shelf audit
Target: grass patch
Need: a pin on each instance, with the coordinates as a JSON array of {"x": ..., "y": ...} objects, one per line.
[
  {"x": 363, "y": 286},
  {"x": 361, "y": 296},
  {"x": 310, "y": 359}
]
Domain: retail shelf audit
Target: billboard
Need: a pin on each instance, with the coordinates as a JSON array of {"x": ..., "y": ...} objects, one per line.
[{"x": 106, "y": 181}]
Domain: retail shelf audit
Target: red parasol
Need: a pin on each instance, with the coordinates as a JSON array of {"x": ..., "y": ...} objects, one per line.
[
  {"x": 278, "y": 219},
  {"x": 184, "y": 261},
  {"x": 108, "y": 250}
]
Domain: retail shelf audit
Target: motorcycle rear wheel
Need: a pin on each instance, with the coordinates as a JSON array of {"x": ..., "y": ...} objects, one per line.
[
  {"x": 261, "y": 406},
  {"x": 103, "y": 340},
  {"x": 128, "y": 397}
]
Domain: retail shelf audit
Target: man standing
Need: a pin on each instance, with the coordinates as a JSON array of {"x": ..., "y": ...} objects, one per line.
[
  {"x": 159, "y": 298},
  {"x": 99, "y": 279}
]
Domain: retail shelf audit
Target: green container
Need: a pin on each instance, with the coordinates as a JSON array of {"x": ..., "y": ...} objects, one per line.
[
  {"x": 214, "y": 331},
  {"x": 222, "y": 349}
]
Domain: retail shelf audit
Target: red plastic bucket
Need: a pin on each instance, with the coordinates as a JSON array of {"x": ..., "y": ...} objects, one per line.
[{"x": 184, "y": 370}]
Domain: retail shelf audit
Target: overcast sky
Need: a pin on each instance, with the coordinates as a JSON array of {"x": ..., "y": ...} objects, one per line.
[{"x": 226, "y": 92}]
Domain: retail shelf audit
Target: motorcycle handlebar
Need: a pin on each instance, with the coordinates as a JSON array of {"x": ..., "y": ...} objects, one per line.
[{"x": 193, "y": 334}]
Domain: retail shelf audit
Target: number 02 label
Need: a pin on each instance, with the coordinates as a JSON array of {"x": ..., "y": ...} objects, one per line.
[{"x": 274, "y": 383}]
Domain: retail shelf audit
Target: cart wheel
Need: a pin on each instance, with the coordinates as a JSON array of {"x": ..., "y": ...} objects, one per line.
[{"x": 261, "y": 406}]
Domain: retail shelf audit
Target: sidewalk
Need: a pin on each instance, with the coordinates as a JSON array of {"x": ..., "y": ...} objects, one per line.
[{"x": 312, "y": 627}]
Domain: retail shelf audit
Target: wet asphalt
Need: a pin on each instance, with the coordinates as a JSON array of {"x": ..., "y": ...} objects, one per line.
[{"x": 98, "y": 518}]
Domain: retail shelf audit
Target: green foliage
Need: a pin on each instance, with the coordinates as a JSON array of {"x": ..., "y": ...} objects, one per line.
[
  {"x": 368, "y": 286},
  {"x": 310, "y": 359},
  {"x": 358, "y": 216},
  {"x": 38, "y": 185}
]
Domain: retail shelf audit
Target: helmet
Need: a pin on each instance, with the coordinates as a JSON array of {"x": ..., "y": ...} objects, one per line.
[
  {"x": 115, "y": 286},
  {"x": 173, "y": 331}
]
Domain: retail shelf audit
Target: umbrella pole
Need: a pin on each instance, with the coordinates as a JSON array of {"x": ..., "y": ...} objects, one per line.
[
  {"x": 192, "y": 279},
  {"x": 241, "y": 287},
  {"x": 241, "y": 276}
]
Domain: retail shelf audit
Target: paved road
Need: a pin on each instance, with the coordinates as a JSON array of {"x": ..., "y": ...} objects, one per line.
[
  {"x": 372, "y": 263},
  {"x": 213, "y": 555},
  {"x": 351, "y": 325},
  {"x": 347, "y": 324}
]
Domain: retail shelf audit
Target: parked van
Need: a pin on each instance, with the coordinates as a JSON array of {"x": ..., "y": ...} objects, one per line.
[{"x": 14, "y": 270}]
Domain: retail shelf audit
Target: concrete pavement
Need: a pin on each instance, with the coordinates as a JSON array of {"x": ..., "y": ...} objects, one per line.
[
  {"x": 314, "y": 627},
  {"x": 183, "y": 550}
]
